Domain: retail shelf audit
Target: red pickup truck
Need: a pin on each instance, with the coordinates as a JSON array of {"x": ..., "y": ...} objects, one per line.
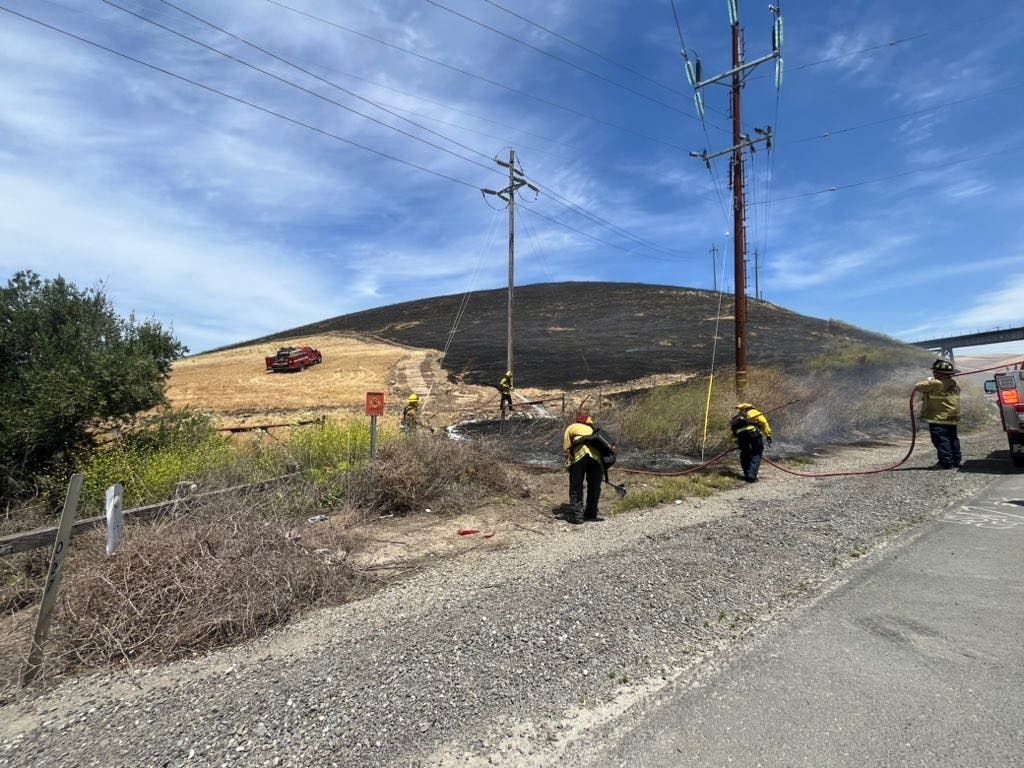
[{"x": 293, "y": 358}]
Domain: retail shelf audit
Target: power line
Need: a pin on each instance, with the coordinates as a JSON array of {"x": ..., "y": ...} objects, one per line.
[
  {"x": 926, "y": 169},
  {"x": 237, "y": 99},
  {"x": 594, "y": 218},
  {"x": 305, "y": 90},
  {"x": 600, "y": 221},
  {"x": 557, "y": 198},
  {"x": 870, "y": 48},
  {"x": 467, "y": 129},
  {"x": 582, "y": 47},
  {"x": 560, "y": 59},
  {"x": 899, "y": 41},
  {"x": 473, "y": 75},
  {"x": 253, "y": 105},
  {"x": 707, "y": 137},
  {"x": 276, "y": 114},
  {"x": 903, "y": 116},
  {"x": 771, "y": 184},
  {"x": 577, "y": 231},
  {"x": 420, "y": 97}
]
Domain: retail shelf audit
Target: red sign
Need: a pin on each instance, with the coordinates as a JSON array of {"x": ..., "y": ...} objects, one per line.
[{"x": 374, "y": 403}]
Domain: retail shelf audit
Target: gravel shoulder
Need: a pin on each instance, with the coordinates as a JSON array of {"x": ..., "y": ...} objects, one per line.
[{"x": 514, "y": 656}]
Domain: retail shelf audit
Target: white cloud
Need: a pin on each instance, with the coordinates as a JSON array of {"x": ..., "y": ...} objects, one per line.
[
  {"x": 825, "y": 262},
  {"x": 999, "y": 308},
  {"x": 217, "y": 281}
]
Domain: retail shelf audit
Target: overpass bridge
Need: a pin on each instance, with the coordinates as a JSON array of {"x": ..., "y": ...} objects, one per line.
[{"x": 946, "y": 344}]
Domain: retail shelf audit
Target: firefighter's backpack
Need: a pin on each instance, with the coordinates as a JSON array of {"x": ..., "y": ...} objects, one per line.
[
  {"x": 740, "y": 422},
  {"x": 604, "y": 444}
]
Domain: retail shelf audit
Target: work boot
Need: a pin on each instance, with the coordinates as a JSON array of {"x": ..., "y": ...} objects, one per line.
[{"x": 575, "y": 514}]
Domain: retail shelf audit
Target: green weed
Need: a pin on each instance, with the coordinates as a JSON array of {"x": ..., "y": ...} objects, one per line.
[
  {"x": 666, "y": 490},
  {"x": 184, "y": 445}
]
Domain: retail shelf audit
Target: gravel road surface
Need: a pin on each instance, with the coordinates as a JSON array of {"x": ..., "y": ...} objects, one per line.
[{"x": 517, "y": 657}]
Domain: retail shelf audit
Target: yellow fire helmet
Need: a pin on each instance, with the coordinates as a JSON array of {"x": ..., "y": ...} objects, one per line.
[
  {"x": 744, "y": 406},
  {"x": 414, "y": 398},
  {"x": 508, "y": 373}
]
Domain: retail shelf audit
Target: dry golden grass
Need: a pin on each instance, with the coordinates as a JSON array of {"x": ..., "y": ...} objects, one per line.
[{"x": 235, "y": 384}]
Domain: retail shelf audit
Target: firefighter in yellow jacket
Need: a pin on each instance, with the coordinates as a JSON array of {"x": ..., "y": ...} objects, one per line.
[
  {"x": 584, "y": 463},
  {"x": 941, "y": 409},
  {"x": 411, "y": 414},
  {"x": 505, "y": 387},
  {"x": 751, "y": 429}
]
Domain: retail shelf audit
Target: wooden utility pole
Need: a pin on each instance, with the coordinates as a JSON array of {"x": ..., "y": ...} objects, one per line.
[
  {"x": 516, "y": 180},
  {"x": 739, "y": 211},
  {"x": 740, "y": 142},
  {"x": 511, "y": 253}
]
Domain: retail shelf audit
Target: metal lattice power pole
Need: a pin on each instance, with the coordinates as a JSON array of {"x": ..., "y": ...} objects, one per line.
[
  {"x": 516, "y": 180},
  {"x": 740, "y": 142}
]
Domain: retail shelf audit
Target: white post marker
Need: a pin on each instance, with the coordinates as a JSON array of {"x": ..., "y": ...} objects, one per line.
[
  {"x": 60, "y": 551},
  {"x": 115, "y": 517}
]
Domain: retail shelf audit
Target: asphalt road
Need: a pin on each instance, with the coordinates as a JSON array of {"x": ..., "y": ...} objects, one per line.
[{"x": 917, "y": 661}]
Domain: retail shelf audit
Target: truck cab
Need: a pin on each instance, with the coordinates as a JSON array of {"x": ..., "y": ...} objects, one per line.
[{"x": 1008, "y": 388}]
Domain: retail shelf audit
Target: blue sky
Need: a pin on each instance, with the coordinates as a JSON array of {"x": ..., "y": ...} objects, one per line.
[{"x": 228, "y": 222}]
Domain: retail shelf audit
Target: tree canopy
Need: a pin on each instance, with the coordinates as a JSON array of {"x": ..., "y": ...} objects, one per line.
[{"x": 67, "y": 362}]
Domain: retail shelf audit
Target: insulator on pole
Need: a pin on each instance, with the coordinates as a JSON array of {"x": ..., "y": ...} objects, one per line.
[
  {"x": 777, "y": 34},
  {"x": 698, "y": 101},
  {"x": 689, "y": 72},
  {"x": 734, "y": 15},
  {"x": 778, "y": 72}
]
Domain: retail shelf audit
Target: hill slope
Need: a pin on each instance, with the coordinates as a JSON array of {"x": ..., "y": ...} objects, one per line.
[{"x": 577, "y": 333}]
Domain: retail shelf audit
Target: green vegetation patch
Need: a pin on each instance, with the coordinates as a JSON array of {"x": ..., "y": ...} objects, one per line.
[{"x": 665, "y": 490}]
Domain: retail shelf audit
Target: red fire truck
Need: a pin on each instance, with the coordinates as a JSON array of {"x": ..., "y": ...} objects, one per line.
[
  {"x": 1009, "y": 389},
  {"x": 293, "y": 358}
]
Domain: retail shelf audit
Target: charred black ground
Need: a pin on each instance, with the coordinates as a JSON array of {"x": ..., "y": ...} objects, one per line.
[{"x": 575, "y": 333}]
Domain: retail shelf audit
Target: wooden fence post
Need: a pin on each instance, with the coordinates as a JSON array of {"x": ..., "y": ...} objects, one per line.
[{"x": 60, "y": 551}]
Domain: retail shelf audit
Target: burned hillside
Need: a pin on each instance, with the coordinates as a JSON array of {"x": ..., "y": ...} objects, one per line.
[{"x": 569, "y": 334}]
